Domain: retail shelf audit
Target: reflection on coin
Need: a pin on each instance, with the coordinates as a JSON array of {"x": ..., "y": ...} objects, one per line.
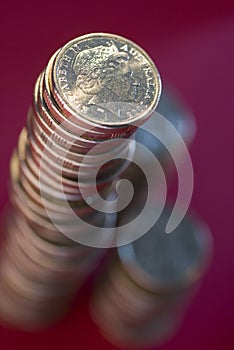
[{"x": 106, "y": 79}]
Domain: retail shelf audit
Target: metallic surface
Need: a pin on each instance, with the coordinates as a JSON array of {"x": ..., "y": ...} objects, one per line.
[{"x": 106, "y": 79}]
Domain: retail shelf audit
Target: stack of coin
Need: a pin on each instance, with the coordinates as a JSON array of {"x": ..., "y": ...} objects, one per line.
[
  {"x": 87, "y": 105},
  {"x": 141, "y": 298}
]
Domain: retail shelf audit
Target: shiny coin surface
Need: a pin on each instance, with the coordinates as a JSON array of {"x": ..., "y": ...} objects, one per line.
[{"x": 106, "y": 79}]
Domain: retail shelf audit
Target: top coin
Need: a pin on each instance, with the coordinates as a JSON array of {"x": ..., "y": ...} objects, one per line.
[{"x": 105, "y": 79}]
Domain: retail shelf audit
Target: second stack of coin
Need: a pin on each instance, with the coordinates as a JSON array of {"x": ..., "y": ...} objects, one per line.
[{"x": 141, "y": 298}]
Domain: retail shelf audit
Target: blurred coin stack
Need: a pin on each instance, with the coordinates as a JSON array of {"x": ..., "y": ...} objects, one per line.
[
  {"x": 92, "y": 95},
  {"x": 141, "y": 298}
]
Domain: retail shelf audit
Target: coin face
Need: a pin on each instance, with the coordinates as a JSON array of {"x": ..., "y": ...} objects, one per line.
[{"x": 105, "y": 79}]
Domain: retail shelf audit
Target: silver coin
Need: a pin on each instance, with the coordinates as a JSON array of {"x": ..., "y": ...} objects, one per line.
[
  {"x": 128, "y": 75},
  {"x": 160, "y": 262}
]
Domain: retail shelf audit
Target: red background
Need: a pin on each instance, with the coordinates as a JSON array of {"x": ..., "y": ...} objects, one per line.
[{"x": 193, "y": 47}]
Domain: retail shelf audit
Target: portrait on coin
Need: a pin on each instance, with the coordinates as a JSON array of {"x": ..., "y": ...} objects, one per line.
[{"x": 104, "y": 74}]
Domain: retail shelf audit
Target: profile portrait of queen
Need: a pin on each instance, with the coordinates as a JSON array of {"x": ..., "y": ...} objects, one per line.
[{"x": 103, "y": 74}]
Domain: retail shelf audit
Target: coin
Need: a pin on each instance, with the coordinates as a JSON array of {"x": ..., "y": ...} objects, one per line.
[
  {"x": 106, "y": 79},
  {"x": 191, "y": 240}
]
